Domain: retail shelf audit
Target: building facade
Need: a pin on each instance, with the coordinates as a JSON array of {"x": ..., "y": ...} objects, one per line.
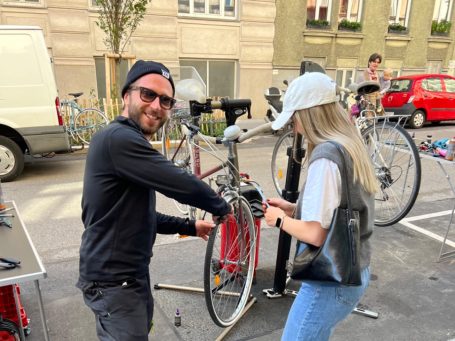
[
  {"x": 413, "y": 36},
  {"x": 229, "y": 42}
]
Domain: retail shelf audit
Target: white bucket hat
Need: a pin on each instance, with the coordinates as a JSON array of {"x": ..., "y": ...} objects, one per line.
[{"x": 309, "y": 90}]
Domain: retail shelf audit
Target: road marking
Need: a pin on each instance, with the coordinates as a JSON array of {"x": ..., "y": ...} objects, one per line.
[{"x": 406, "y": 222}]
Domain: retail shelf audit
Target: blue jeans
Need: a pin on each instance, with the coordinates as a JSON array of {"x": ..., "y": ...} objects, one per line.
[{"x": 319, "y": 307}]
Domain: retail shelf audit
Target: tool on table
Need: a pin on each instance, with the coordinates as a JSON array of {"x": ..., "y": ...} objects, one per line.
[{"x": 9, "y": 263}]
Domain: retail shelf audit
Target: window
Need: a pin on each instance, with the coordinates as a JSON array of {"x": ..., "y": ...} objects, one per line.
[
  {"x": 350, "y": 10},
  {"x": 344, "y": 78},
  {"x": 432, "y": 84},
  {"x": 442, "y": 10},
  {"x": 209, "y": 8},
  {"x": 319, "y": 9},
  {"x": 450, "y": 84},
  {"x": 218, "y": 75},
  {"x": 399, "y": 12}
]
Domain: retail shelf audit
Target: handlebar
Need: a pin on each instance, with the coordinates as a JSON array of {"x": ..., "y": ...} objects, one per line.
[{"x": 233, "y": 108}]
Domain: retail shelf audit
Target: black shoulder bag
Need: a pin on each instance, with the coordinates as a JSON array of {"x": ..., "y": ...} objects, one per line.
[{"x": 338, "y": 259}]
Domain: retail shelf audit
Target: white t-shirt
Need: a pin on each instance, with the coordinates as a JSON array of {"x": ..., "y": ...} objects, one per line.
[{"x": 322, "y": 193}]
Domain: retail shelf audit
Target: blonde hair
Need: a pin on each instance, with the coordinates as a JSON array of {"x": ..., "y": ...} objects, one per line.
[{"x": 330, "y": 122}]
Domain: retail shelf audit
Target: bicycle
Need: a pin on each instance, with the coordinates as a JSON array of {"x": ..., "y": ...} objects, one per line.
[
  {"x": 392, "y": 151},
  {"x": 230, "y": 258},
  {"x": 81, "y": 123}
]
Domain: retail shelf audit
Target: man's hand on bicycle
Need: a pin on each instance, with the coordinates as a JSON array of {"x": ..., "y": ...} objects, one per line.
[
  {"x": 204, "y": 228},
  {"x": 220, "y": 219}
]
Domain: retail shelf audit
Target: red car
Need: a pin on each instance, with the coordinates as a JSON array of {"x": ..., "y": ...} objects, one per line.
[{"x": 424, "y": 97}]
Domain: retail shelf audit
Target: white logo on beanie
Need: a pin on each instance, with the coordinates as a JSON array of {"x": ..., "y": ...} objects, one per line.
[{"x": 165, "y": 74}]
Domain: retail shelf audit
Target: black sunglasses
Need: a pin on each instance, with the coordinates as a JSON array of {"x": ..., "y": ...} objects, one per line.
[{"x": 148, "y": 96}]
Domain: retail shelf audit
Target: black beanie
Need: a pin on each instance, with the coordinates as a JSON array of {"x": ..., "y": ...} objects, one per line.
[{"x": 142, "y": 68}]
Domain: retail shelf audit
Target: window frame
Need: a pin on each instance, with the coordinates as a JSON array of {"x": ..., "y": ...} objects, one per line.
[
  {"x": 348, "y": 12},
  {"x": 207, "y": 13},
  {"x": 317, "y": 9},
  {"x": 397, "y": 16},
  {"x": 207, "y": 75},
  {"x": 23, "y": 3},
  {"x": 437, "y": 13}
]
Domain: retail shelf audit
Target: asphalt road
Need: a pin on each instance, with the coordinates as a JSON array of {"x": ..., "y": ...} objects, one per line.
[{"x": 414, "y": 295}]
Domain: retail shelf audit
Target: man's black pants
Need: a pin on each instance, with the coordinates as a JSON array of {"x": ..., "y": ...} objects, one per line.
[{"x": 123, "y": 310}]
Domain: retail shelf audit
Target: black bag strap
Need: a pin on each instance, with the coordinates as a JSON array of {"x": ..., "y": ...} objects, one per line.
[{"x": 345, "y": 183}]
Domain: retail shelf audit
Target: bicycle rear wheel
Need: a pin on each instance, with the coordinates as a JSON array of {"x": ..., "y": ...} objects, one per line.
[
  {"x": 280, "y": 157},
  {"x": 176, "y": 149},
  {"x": 398, "y": 170},
  {"x": 88, "y": 122},
  {"x": 229, "y": 265}
]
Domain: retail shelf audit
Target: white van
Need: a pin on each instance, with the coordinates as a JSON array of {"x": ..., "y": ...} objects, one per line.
[{"x": 30, "y": 120}]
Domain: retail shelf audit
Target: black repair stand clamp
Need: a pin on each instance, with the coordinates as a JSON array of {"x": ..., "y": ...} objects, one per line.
[{"x": 291, "y": 193}]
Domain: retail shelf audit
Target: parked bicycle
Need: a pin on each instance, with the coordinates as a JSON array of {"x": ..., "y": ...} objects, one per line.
[
  {"x": 81, "y": 123},
  {"x": 392, "y": 151}
]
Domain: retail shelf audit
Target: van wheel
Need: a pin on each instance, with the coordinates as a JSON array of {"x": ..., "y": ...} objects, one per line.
[
  {"x": 11, "y": 159},
  {"x": 417, "y": 119}
]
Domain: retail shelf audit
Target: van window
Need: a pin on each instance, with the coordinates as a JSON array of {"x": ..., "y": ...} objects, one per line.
[
  {"x": 18, "y": 61},
  {"x": 400, "y": 85},
  {"x": 432, "y": 84}
]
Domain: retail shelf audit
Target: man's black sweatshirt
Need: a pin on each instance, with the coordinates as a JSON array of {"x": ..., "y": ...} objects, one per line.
[{"x": 122, "y": 174}]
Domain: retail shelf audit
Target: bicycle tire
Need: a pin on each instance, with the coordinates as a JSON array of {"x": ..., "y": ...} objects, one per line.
[
  {"x": 175, "y": 148},
  {"x": 398, "y": 170},
  {"x": 229, "y": 265},
  {"x": 279, "y": 164},
  {"x": 88, "y": 122}
]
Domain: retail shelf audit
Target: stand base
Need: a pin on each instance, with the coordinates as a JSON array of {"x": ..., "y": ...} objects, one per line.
[
  {"x": 271, "y": 293},
  {"x": 251, "y": 301}
]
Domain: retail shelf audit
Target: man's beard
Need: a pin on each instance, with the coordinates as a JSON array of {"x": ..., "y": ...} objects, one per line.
[{"x": 135, "y": 114}]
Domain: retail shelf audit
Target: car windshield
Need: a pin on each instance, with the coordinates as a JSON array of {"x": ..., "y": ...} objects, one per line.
[{"x": 400, "y": 85}]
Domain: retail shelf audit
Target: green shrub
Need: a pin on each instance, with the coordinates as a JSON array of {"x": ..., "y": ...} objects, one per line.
[
  {"x": 440, "y": 27},
  {"x": 349, "y": 25},
  {"x": 395, "y": 27},
  {"x": 317, "y": 23}
]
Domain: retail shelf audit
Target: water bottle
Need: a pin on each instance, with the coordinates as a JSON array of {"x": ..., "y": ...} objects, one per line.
[{"x": 450, "y": 149}]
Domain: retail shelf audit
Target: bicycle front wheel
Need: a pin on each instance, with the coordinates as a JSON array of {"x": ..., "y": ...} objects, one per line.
[
  {"x": 229, "y": 265},
  {"x": 398, "y": 170},
  {"x": 280, "y": 158},
  {"x": 88, "y": 122}
]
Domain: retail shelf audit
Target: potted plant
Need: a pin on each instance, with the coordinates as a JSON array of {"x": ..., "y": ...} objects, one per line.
[
  {"x": 317, "y": 23},
  {"x": 347, "y": 25},
  {"x": 397, "y": 28},
  {"x": 441, "y": 28}
]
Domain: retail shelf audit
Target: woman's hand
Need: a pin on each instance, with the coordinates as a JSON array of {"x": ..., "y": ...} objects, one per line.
[
  {"x": 271, "y": 214},
  {"x": 204, "y": 228},
  {"x": 287, "y": 207}
]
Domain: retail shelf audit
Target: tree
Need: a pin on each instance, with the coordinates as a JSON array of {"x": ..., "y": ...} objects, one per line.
[{"x": 118, "y": 19}]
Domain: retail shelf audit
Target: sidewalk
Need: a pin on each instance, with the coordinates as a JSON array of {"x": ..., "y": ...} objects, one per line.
[{"x": 414, "y": 295}]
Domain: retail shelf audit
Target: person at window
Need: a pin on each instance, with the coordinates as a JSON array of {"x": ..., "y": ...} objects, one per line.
[
  {"x": 311, "y": 103},
  {"x": 122, "y": 175}
]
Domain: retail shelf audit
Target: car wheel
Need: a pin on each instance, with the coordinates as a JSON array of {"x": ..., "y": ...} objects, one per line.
[
  {"x": 417, "y": 119},
  {"x": 11, "y": 159}
]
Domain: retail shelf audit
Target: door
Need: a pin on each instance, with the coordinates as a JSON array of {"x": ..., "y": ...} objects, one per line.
[
  {"x": 430, "y": 95},
  {"x": 450, "y": 98}
]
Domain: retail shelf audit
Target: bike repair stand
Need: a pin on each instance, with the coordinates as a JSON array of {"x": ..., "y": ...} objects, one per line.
[{"x": 291, "y": 193}]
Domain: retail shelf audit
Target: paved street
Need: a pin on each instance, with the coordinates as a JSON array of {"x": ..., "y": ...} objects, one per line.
[{"x": 414, "y": 295}]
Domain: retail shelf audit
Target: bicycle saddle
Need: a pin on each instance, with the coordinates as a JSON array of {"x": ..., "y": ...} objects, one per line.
[
  {"x": 76, "y": 94},
  {"x": 367, "y": 87}
]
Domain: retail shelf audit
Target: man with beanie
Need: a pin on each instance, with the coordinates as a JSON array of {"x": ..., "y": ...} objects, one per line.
[{"x": 122, "y": 174}]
